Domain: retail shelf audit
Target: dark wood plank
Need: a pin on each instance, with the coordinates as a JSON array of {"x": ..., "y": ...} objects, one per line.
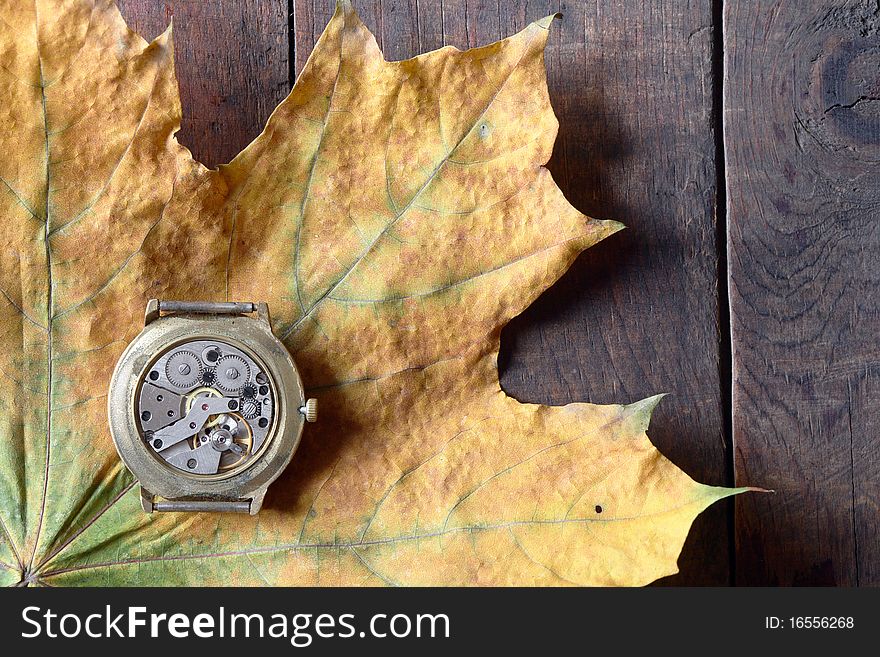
[
  {"x": 232, "y": 65},
  {"x": 802, "y": 108},
  {"x": 632, "y": 84}
]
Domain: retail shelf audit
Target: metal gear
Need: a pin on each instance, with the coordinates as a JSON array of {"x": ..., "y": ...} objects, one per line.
[
  {"x": 208, "y": 376},
  {"x": 250, "y": 409},
  {"x": 232, "y": 372},
  {"x": 248, "y": 391},
  {"x": 183, "y": 369}
]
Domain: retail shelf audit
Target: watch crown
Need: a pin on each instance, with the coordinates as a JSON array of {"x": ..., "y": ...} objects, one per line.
[{"x": 310, "y": 410}]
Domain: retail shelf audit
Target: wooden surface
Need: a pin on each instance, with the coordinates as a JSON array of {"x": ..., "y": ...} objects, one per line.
[
  {"x": 802, "y": 119},
  {"x": 232, "y": 60},
  {"x": 641, "y": 90}
]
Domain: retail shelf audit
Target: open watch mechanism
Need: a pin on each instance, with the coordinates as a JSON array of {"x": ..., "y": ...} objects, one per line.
[{"x": 206, "y": 408}]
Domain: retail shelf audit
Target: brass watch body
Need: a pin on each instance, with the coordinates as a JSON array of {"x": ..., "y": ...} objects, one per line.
[{"x": 206, "y": 406}]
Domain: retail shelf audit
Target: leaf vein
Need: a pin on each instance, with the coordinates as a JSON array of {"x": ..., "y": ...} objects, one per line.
[
  {"x": 332, "y": 288},
  {"x": 294, "y": 547},
  {"x": 91, "y": 204},
  {"x": 449, "y": 286}
]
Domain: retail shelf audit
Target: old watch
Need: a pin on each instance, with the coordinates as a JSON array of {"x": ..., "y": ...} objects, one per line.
[{"x": 206, "y": 406}]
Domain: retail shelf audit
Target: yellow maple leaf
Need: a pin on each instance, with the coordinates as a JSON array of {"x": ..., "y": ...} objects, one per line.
[{"x": 395, "y": 215}]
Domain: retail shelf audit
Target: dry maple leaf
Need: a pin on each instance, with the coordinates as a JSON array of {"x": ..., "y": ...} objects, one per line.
[{"x": 395, "y": 215}]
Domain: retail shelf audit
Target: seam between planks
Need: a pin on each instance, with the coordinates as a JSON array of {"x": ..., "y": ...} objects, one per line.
[
  {"x": 725, "y": 331},
  {"x": 291, "y": 44}
]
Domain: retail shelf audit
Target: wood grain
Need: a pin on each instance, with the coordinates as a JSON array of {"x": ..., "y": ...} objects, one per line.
[
  {"x": 802, "y": 121},
  {"x": 232, "y": 66},
  {"x": 632, "y": 84}
]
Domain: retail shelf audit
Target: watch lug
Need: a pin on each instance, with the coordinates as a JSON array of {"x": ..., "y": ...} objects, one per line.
[
  {"x": 146, "y": 500},
  {"x": 257, "y": 501},
  {"x": 152, "y": 312},
  {"x": 262, "y": 309}
]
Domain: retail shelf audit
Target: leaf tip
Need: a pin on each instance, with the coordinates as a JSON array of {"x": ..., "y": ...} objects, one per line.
[
  {"x": 648, "y": 404},
  {"x": 642, "y": 410},
  {"x": 548, "y": 20},
  {"x": 345, "y": 7},
  {"x": 718, "y": 493},
  {"x": 612, "y": 226},
  {"x": 166, "y": 39},
  {"x": 346, "y": 12}
]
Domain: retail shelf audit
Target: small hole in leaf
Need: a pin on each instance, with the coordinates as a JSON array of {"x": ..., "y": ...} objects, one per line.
[
  {"x": 484, "y": 131},
  {"x": 598, "y": 509}
]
